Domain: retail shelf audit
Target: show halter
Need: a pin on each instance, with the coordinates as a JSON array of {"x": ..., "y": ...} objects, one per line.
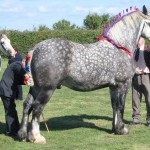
[{"x": 118, "y": 17}]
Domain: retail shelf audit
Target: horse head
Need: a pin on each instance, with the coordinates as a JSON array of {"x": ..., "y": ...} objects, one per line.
[
  {"x": 146, "y": 24},
  {"x": 5, "y": 46}
]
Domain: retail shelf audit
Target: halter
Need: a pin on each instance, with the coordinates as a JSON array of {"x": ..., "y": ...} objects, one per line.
[{"x": 118, "y": 18}]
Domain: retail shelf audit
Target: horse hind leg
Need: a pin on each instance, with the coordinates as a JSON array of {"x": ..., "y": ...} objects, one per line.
[
  {"x": 118, "y": 95},
  {"x": 38, "y": 106}
]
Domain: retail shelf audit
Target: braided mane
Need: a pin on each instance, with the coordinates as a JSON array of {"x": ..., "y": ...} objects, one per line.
[
  {"x": 119, "y": 31},
  {"x": 118, "y": 18}
]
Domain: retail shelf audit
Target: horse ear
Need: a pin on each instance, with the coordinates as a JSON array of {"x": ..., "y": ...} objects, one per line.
[{"x": 145, "y": 12}]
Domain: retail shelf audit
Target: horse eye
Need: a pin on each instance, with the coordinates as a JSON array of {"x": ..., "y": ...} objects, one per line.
[{"x": 2, "y": 42}]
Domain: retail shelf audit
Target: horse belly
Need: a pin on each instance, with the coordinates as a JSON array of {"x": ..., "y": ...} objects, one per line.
[
  {"x": 84, "y": 86},
  {"x": 90, "y": 78}
]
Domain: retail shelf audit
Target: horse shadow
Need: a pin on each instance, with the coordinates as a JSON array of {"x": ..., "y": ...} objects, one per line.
[
  {"x": 74, "y": 121},
  {"x": 3, "y": 131},
  {"x": 2, "y": 127},
  {"x": 70, "y": 122}
]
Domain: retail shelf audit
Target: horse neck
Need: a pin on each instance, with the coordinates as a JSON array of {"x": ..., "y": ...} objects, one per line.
[
  {"x": 13, "y": 52},
  {"x": 126, "y": 32}
]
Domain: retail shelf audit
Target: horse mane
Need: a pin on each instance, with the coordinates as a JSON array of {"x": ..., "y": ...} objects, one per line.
[
  {"x": 118, "y": 18},
  {"x": 130, "y": 19},
  {"x": 118, "y": 31}
]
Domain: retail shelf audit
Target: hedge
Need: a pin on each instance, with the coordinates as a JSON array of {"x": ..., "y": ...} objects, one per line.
[{"x": 27, "y": 39}]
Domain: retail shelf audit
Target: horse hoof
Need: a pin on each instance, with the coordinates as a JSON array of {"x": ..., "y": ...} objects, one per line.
[
  {"x": 36, "y": 138},
  {"x": 22, "y": 135},
  {"x": 125, "y": 131},
  {"x": 24, "y": 140},
  {"x": 41, "y": 140}
]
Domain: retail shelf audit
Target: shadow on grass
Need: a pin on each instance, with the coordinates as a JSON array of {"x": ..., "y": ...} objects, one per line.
[
  {"x": 2, "y": 128},
  {"x": 3, "y": 131},
  {"x": 70, "y": 122},
  {"x": 74, "y": 121}
]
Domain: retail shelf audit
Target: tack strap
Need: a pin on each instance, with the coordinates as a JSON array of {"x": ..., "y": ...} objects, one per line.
[{"x": 113, "y": 43}]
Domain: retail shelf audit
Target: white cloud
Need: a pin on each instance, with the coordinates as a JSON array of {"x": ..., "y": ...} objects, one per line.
[
  {"x": 31, "y": 14},
  {"x": 10, "y": 6},
  {"x": 81, "y": 9},
  {"x": 112, "y": 10},
  {"x": 99, "y": 10},
  {"x": 42, "y": 8}
]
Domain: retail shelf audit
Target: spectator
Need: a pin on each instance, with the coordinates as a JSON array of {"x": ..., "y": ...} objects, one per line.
[{"x": 141, "y": 82}]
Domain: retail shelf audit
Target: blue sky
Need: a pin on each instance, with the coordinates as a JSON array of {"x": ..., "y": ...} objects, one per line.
[{"x": 27, "y": 14}]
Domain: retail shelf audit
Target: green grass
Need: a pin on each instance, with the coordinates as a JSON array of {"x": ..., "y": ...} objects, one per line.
[{"x": 80, "y": 121}]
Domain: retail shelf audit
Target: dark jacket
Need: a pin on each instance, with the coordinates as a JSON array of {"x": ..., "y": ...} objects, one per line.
[
  {"x": 13, "y": 76},
  {"x": 147, "y": 55},
  {"x": 17, "y": 57}
]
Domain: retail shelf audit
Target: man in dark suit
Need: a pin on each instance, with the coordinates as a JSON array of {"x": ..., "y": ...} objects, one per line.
[
  {"x": 141, "y": 82},
  {"x": 13, "y": 76}
]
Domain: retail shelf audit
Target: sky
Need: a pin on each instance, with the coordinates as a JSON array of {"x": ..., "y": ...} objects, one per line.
[{"x": 29, "y": 14}]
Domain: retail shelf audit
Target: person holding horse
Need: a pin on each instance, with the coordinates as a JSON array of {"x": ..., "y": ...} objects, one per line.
[
  {"x": 13, "y": 75},
  {"x": 17, "y": 57},
  {"x": 141, "y": 81}
]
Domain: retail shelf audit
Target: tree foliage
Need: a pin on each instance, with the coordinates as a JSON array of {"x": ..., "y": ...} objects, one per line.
[
  {"x": 43, "y": 28},
  {"x": 105, "y": 19},
  {"x": 95, "y": 21},
  {"x": 63, "y": 25},
  {"x": 92, "y": 21}
]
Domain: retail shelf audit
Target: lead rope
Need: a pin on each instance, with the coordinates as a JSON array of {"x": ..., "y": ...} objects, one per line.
[{"x": 45, "y": 123}]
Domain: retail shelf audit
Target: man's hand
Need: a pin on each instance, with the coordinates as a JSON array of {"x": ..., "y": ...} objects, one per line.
[{"x": 28, "y": 80}]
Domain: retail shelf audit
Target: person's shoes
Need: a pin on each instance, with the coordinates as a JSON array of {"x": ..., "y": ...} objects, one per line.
[{"x": 134, "y": 123}]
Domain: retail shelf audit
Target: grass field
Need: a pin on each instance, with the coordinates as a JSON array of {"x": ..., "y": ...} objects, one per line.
[{"x": 80, "y": 121}]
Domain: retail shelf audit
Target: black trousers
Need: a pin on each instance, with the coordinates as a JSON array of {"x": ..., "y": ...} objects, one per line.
[
  {"x": 11, "y": 116},
  {"x": 19, "y": 92}
]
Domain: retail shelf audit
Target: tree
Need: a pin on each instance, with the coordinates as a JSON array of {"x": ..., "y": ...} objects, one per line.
[
  {"x": 94, "y": 21},
  {"x": 43, "y": 28},
  {"x": 105, "y": 19},
  {"x": 63, "y": 25}
]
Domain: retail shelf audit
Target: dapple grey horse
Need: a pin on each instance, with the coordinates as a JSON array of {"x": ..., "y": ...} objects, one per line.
[
  {"x": 105, "y": 63},
  {"x": 85, "y": 68}
]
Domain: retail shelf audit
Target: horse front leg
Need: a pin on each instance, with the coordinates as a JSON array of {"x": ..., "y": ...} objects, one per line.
[
  {"x": 27, "y": 108},
  {"x": 38, "y": 106},
  {"x": 118, "y": 96}
]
